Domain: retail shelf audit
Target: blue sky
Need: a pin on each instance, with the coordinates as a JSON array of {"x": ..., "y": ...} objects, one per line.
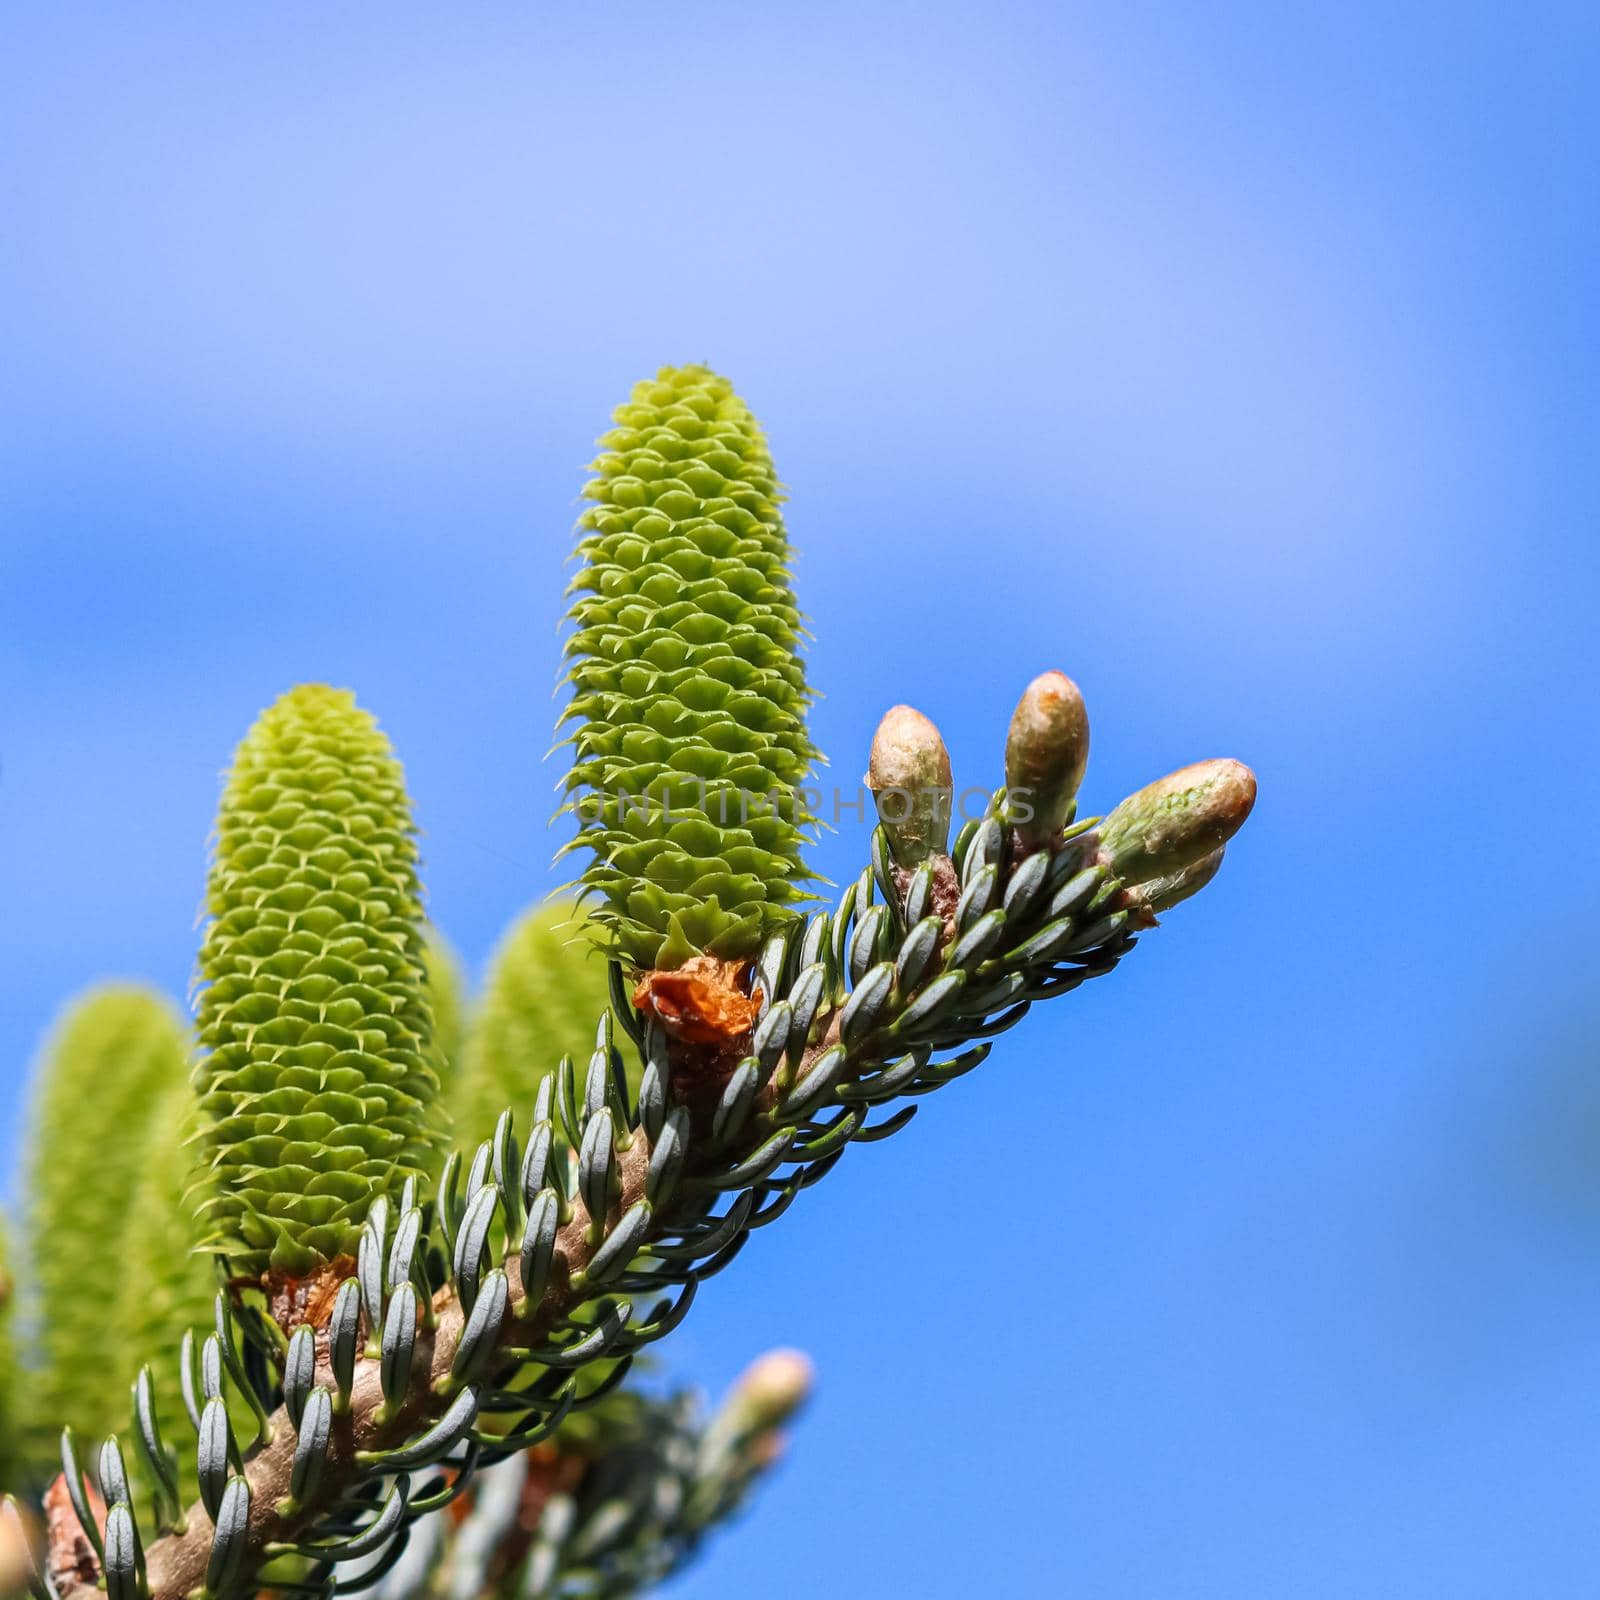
[{"x": 1240, "y": 361}]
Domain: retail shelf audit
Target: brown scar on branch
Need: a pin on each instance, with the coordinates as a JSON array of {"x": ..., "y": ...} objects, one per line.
[{"x": 309, "y": 1299}]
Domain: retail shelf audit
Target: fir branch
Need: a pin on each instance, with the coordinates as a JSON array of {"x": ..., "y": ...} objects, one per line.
[
  {"x": 475, "y": 1317},
  {"x": 615, "y": 1511},
  {"x": 857, "y": 1010}
]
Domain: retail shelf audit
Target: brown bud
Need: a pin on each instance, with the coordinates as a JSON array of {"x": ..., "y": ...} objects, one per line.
[
  {"x": 909, "y": 775},
  {"x": 1047, "y": 749},
  {"x": 1177, "y": 821}
]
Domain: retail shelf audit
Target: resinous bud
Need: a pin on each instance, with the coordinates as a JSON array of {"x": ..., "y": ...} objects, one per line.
[
  {"x": 1178, "y": 820},
  {"x": 1047, "y": 749},
  {"x": 771, "y": 1389},
  {"x": 909, "y": 775}
]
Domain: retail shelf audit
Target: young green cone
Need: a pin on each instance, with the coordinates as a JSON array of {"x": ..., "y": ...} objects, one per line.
[
  {"x": 689, "y": 695},
  {"x": 115, "y": 1055},
  {"x": 908, "y": 772},
  {"x": 167, "y": 1288},
  {"x": 314, "y": 1019},
  {"x": 1047, "y": 749},
  {"x": 11, "y": 1444},
  {"x": 447, "y": 999}
]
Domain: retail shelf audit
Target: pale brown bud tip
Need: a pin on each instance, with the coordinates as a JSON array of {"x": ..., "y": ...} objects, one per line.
[
  {"x": 19, "y": 1535},
  {"x": 1178, "y": 820},
  {"x": 909, "y": 775},
  {"x": 771, "y": 1389},
  {"x": 1047, "y": 749}
]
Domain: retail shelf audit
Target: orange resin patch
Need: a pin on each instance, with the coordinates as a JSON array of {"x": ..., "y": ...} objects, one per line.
[{"x": 702, "y": 1002}]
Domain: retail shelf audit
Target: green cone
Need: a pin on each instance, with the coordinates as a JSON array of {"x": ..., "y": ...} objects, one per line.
[
  {"x": 167, "y": 1287},
  {"x": 316, "y": 1082},
  {"x": 688, "y": 691},
  {"x": 545, "y": 994},
  {"x": 114, "y": 1057},
  {"x": 12, "y": 1448},
  {"x": 447, "y": 997}
]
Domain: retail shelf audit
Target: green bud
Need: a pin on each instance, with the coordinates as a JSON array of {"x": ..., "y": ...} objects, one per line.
[
  {"x": 909, "y": 775},
  {"x": 1047, "y": 750},
  {"x": 1177, "y": 821}
]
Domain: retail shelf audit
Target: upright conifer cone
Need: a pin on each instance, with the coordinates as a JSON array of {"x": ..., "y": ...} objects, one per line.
[
  {"x": 11, "y": 1449},
  {"x": 545, "y": 992},
  {"x": 688, "y": 690},
  {"x": 448, "y": 1001},
  {"x": 315, "y": 1025},
  {"x": 167, "y": 1287},
  {"x": 107, "y": 1068}
]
